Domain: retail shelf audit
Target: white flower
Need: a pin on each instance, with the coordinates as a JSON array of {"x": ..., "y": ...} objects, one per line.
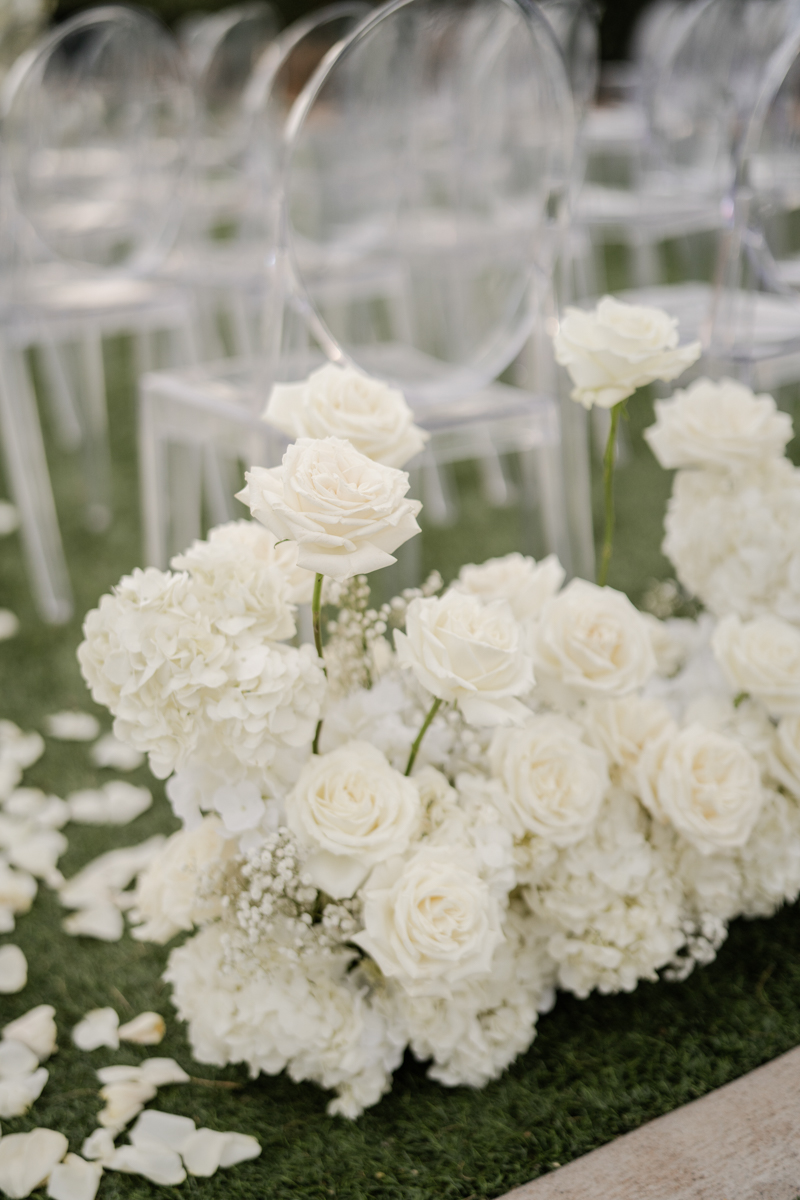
[
  {"x": 618, "y": 348},
  {"x": 431, "y": 922},
  {"x": 468, "y": 653},
  {"x": 733, "y": 538},
  {"x": 622, "y": 728},
  {"x": 761, "y": 658},
  {"x": 341, "y": 402},
  {"x": 26, "y": 1160},
  {"x": 351, "y": 810},
  {"x": 522, "y": 582},
  {"x": 555, "y": 783},
  {"x": 723, "y": 425},
  {"x": 709, "y": 788},
  {"x": 346, "y": 513},
  {"x": 13, "y": 969},
  {"x": 591, "y": 639}
]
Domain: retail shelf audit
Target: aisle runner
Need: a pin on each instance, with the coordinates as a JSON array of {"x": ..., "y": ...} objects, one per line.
[{"x": 741, "y": 1142}]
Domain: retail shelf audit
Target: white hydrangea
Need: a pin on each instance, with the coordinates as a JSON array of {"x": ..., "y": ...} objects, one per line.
[
  {"x": 734, "y": 538},
  {"x": 309, "y": 1017}
]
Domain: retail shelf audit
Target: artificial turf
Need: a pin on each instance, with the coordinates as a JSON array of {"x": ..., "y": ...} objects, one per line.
[{"x": 598, "y": 1067}]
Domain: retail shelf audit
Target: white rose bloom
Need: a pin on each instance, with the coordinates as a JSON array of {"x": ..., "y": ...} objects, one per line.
[
  {"x": 522, "y": 582},
  {"x": 622, "y": 729},
  {"x": 592, "y": 640},
  {"x": 555, "y": 783},
  {"x": 468, "y": 653},
  {"x": 346, "y": 512},
  {"x": 431, "y": 922},
  {"x": 732, "y": 537},
  {"x": 310, "y": 1017},
  {"x": 709, "y": 788},
  {"x": 723, "y": 425},
  {"x": 618, "y": 348},
  {"x": 169, "y": 896},
  {"x": 761, "y": 658},
  {"x": 350, "y": 810},
  {"x": 341, "y": 402}
]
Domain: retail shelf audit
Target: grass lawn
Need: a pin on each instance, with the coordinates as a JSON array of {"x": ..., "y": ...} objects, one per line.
[{"x": 597, "y": 1068}]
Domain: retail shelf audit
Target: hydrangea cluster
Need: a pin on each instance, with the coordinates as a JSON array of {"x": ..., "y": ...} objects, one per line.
[{"x": 516, "y": 785}]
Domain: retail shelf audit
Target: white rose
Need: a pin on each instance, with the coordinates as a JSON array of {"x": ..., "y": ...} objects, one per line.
[
  {"x": 341, "y": 402},
  {"x": 468, "y": 653},
  {"x": 592, "y": 640},
  {"x": 709, "y": 788},
  {"x": 555, "y": 783},
  {"x": 522, "y": 582},
  {"x": 618, "y": 348},
  {"x": 432, "y": 922},
  {"x": 761, "y": 658},
  {"x": 622, "y": 728},
  {"x": 346, "y": 513},
  {"x": 351, "y": 810},
  {"x": 717, "y": 425}
]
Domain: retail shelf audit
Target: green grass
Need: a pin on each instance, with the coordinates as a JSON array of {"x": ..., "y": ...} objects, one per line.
[{"x": 597, "y": 1068}]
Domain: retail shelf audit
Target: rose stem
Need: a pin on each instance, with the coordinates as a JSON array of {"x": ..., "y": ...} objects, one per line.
[
  {"x": 316, "y": 605},
  {"x": 415, "y": 748},
  {"x": 608, "y": 486}
]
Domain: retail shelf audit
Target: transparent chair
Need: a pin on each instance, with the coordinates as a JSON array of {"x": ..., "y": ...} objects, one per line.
[
  {"x": 575, "y": 24},
  {"x": 427, "y": 164},
  {"x": 96, "y": 125}
]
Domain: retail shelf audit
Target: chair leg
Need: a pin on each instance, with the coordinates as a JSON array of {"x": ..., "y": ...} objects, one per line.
[
  {"x": 29, "y": 480},
  {"x": 92, "y": 393},
  {"x": 153, "y": 483},
  {"x": 59, "y": 395}
]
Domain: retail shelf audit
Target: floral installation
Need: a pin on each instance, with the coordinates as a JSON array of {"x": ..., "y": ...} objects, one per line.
[{"x": 411, "y": 834}]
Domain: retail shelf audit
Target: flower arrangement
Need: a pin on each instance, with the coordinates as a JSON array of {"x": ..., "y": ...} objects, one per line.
[{"x": 410, "y": 834}]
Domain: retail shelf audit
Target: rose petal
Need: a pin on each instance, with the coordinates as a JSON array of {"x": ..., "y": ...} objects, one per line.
[
  {"x": 98, "y": 1028},
  {"x": 72, "y": 726},
  {"x": 13, "y": 969},
  {"x": 156, "y": 1163},
  {"x": 74, "y": 1179},
  {"x": 103, "y": 922},
  {"x": 26, "y": 1160},
  {"x": 109, "y": 751},
  {"x": 98, "y": 1145},
  {"x": 147, "y": 1029},
  {"x": 19, "y": 1093},
  {"x": 159, "y": 1128},
  {"x": 16, "y": 1059},
  {"x": 35, "y": 1029},
  {"x": 161, "y": 1071}
]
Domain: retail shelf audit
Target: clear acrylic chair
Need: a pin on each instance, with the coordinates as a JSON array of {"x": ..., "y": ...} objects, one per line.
[
  {"x": 96, "y": 125},
  {"x": 427, "y": 162}
]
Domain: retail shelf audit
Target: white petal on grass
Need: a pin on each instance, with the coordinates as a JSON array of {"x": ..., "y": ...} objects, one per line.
[
  {"x": 111, "y": 752},
  {"x": 9, "y": 518},
  {"x": 103, "y": 922},
  {"x": 13, "y": 969},
  {"x": 119, "y": 1074},
  {"x": 156, "y": 1163},
  {"x": 72, "y": 726},
  {"x": 161, "y": 1071},
  {"x": 16, "y": 1059},
  {"x": 202, "y": 1152},
  {"x": 147, "y": 1029},
  {"x": 240, "y": 1147},
  {"x": 26, "y": 1160},
  {"x": 98, "y": 1028},
  {"x": 74, "y": 1179},
  {"x": 124, "y": 1101},
  {"x": 32, "y": 804},
  {"x": 98, "y": 1146},
  {"x": 116, "y": 803},
  {"x": 35, "y": 1029},
  {"x": 6, "y": 919},
  {"x": 9, "y": 624},
  {"x": 39, "y": 854},
  {"x": 17, "y": 889},
  {"x": 109, "y": 873},
  {"x": 156, "y": 1128},
  {"x": 17, "y": 1095}
]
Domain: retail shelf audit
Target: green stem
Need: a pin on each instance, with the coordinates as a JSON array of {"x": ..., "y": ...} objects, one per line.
[
  {"x": 425, "y": 725},
  {"x": 316, "y": 607},
  {"x": 608, "y": 488}
]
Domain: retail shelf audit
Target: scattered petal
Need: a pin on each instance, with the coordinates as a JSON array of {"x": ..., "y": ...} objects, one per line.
[
  {"x": 160, "y": 1071},
  {"x": 116, "y": 803},
  {"x": 98, "y": 1146},
  {"x": 17, "y": 889},
  {"x": 35, "y": 1029},
  {"x": 39, "y": 854},
  {"x": 16, "y": 1059},
  {"x": 9, "y": 518},
  {"x": 18, "y": 1094},
  {"x": 98, "y": 1028},
  {"x": 111, "y": 752},
  {"x": 240, "y": 1147},
  {"x": 104, "y": 922},
  {"x": 147, "y": 1029},
  {"x": 119, "y": 1074},
  {"x": 13, "y": 969},
  {"x": 9, "y": 624},
  {"x": 26, "y": 1160},
  {"x": 72, "y": 726},
  {"x": 123, "y": 1102},
  {"x": 202, "y": 1152},
  {"x": 156, "y": 1163},
  {"x": 32, "y": 804},
  {"x": 74, "y": 1179},
  {"x": 6, "y": 919},
  {"x": 109, "y": 873},
  {"x": 155, "y": 1128}
]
